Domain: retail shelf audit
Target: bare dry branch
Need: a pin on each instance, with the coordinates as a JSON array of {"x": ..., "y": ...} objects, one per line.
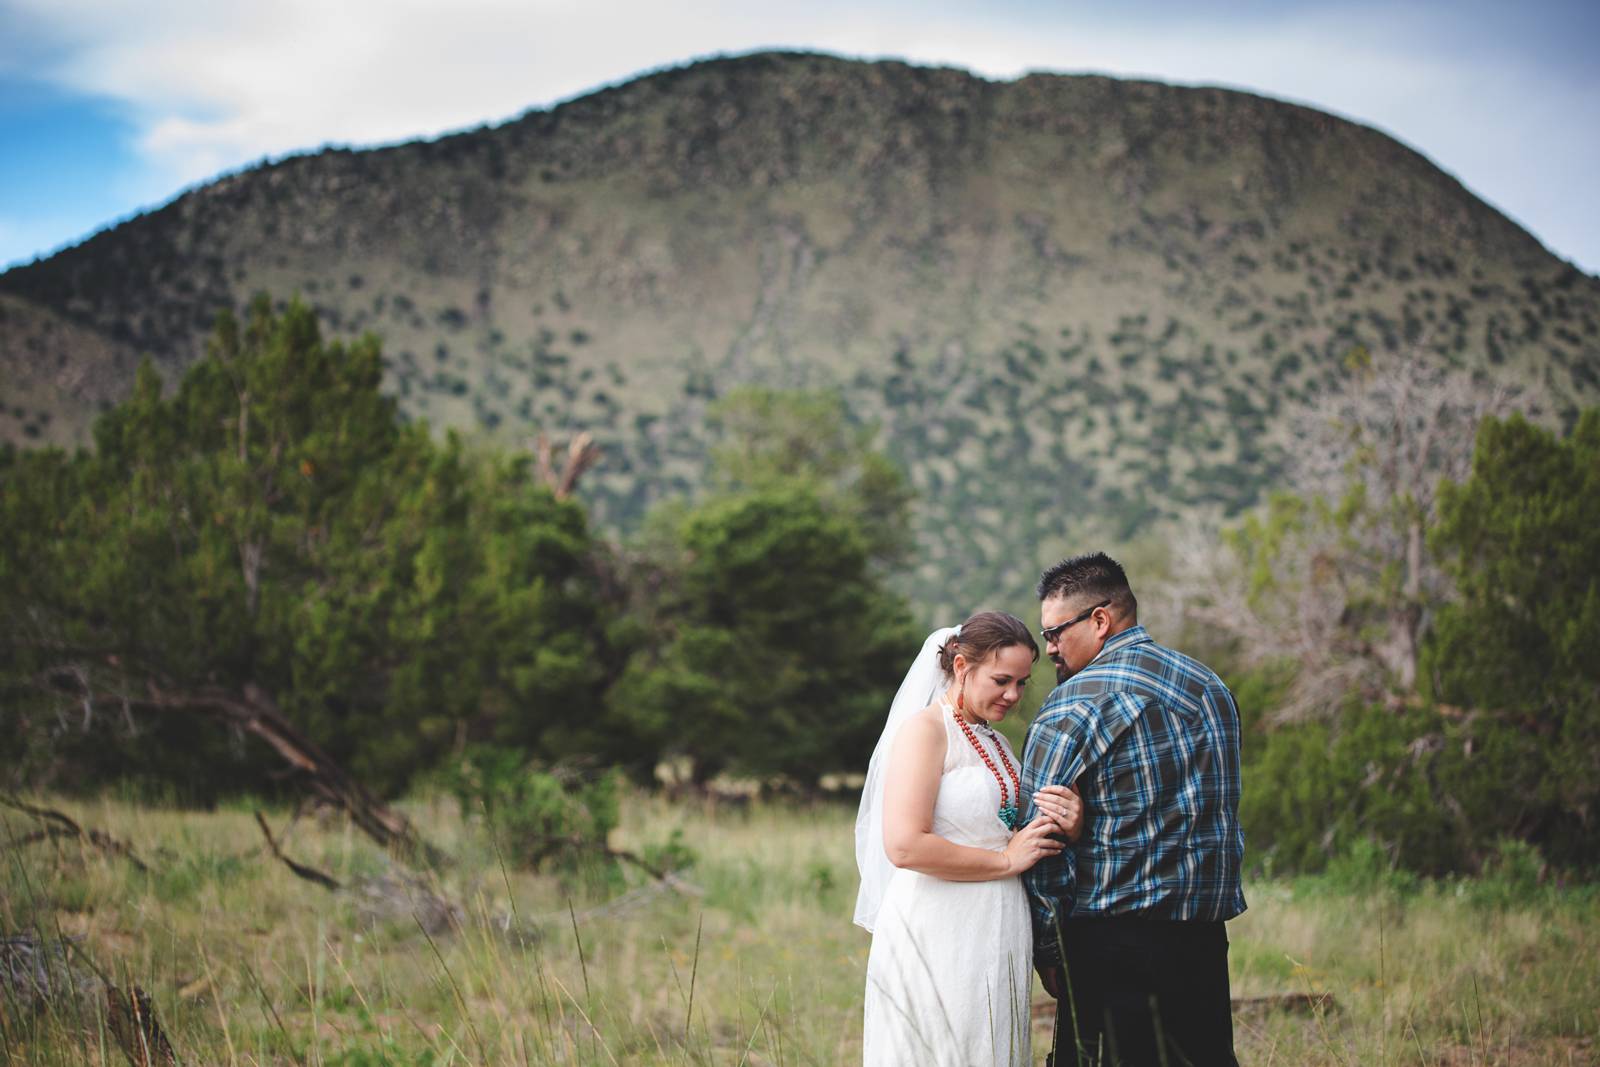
[
  {"x": 66, "y": 827},
  {"x": 582, "y": 454},
  {"x": 254, "y": 712},
  {"x": 310, "y": 874}
]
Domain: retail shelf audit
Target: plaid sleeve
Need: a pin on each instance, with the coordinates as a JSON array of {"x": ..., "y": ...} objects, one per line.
[
  {"x": 1069, "y": 736},
  {"x": 1051, "y": 756}
]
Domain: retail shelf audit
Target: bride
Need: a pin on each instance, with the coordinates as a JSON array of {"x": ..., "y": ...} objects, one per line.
[{"x": 940, "y": 850}]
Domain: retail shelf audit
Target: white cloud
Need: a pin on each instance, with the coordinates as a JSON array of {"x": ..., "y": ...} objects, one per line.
[
  {"x": 214, "y": 85},
  {"x": 222, "y": 84}
]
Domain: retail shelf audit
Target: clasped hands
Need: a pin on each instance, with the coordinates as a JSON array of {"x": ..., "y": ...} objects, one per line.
[
  {"x": 1062, "y": 806},
  {"x": 1059, "y": 811}
]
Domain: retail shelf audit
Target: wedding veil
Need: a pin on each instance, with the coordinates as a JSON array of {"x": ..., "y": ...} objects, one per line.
[{"x": 923, "y": 682}]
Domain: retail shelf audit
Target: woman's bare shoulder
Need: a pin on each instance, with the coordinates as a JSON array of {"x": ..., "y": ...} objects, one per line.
[{"x": 926, "y": 724}]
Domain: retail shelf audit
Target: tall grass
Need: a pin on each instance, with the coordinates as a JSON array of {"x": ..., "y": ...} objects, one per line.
[{"x": 248, "y": 964}]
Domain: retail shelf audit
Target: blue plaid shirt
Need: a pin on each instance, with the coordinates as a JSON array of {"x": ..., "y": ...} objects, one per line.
[{"x": 1151, "y": 738}]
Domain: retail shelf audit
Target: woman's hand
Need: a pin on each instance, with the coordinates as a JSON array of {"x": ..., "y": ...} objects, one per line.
[
  {"x": 1031, "y": 844},
  {"x": 1064, "y": 807}
]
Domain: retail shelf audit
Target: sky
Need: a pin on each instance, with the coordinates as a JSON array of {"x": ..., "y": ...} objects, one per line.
[{"x": 108, "y": 107}]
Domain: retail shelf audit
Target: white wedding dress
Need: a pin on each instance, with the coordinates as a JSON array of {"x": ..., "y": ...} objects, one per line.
[{"x": 950, "y": 972}]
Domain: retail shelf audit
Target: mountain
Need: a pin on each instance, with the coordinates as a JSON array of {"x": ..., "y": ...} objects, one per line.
[{"x": 1071, "y": 302}]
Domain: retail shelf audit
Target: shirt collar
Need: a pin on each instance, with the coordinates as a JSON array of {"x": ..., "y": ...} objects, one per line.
[{"x": 1133, "y": 635}]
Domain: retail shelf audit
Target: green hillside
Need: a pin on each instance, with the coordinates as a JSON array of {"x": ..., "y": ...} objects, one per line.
[{"x": 1071, "y": 302}]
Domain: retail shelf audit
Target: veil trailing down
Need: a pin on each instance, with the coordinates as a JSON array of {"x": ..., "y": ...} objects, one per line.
[{"x": 917, "y": 691}]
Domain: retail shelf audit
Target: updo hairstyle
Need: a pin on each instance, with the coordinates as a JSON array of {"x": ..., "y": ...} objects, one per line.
[{"x": 981, "y": 636}]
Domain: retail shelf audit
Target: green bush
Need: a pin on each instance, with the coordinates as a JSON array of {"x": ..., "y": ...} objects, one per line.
[
  {"x": 1311, "y": 790},
  {"x": 539, "y": 817},
  {"x": 1513, "y": 876},
  {"x": 1363, "y": 866},
  {"x": 673, "y": 854}
]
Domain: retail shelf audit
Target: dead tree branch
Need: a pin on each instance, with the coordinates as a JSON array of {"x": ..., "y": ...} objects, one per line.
[
  {"x": 65, "y": 827},
  {"x": 582, "y": 454},
  {"x": 254, "y": 712},
  {"x": 310, "y": 874}
]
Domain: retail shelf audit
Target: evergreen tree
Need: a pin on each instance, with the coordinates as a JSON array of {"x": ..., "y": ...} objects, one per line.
[
  {"x": 770, "y": 643},
  {"x": 1517, "y": 650},
  {"x": 272, "y": 547}
]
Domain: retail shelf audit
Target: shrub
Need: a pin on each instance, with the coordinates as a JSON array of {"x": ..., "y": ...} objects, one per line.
[
  {"x": 1312, "y": 789},
  {"x": 539, "y": 817},
  {"x": 1514, "y": 874}
]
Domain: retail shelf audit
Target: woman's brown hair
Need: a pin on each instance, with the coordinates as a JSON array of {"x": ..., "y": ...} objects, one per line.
[{"x": 984, "y": 634}]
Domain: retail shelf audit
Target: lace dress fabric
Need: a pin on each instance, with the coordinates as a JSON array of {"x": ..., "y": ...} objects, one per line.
[{"x": 950, "y": 971}]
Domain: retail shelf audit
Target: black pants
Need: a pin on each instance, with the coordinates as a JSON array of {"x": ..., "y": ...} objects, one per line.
[{"x": 1144, "y": 993}]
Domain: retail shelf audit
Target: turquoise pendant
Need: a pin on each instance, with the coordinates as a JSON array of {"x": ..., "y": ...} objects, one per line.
[{"x": 1008, "y": 815}]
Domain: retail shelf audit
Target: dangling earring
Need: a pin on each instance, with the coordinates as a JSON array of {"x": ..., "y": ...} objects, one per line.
[{"x": 961, "y": 697}]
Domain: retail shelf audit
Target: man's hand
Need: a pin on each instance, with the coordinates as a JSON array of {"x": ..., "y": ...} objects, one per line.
[{"x": 1051, "y": 978}]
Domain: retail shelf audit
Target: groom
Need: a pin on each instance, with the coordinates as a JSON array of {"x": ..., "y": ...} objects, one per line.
[{"x": 1128, "y": 923}]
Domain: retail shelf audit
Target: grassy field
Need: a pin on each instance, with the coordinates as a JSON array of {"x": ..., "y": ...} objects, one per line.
[{"x": 753, "y": 960}]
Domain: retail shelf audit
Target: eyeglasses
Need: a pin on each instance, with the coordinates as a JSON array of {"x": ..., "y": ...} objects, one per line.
[{"x": 1056, "y": 631}]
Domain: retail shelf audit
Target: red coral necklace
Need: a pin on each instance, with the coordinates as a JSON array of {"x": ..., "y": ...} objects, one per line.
[{"x": 1008, "y": 810}]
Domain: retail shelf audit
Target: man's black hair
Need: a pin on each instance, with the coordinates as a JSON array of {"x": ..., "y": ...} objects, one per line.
[{"x": 1093, "y": 577}]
